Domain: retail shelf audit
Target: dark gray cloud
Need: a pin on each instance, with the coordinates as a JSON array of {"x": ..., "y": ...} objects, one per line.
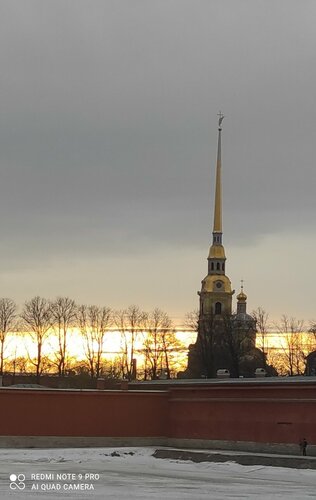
[{"x": 108, "y": 124}]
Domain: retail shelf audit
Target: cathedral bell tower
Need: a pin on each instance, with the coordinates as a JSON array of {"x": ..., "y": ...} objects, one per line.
[{"x": 216, "y": 293}]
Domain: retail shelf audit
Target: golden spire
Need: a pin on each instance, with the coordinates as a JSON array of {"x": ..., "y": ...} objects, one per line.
[
  {"x": 217, "y": 228},
  {"x": 217, "y": 250}
]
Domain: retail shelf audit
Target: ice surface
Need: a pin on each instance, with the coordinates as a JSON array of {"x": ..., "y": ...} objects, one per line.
[{"x": 135, "y": 474}]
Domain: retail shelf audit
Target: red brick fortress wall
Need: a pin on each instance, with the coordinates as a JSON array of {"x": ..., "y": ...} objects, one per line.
[
  {"x": 254, "y": 412},
  {"x": 27, "y": 412},
  {"x": 273, "y": 413}
]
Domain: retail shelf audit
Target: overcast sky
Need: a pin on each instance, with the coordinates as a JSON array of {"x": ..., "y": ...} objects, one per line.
[{"x": 108, "y": 131}]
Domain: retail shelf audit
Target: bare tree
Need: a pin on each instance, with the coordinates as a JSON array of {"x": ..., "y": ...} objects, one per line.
[
  {"x": 234, "y": 341},
  {"x": 17, "y": 364},
  {"x": 291, "y": 331},
  {"x": 94, "y": 322},
  {"x": 121, "y": 325},
  {"x": 312, "y": 328},
  {"x": 278, "y": 360},
  {"x": 312, "y": 337},
  {"x": 8, "y": 310},
  {"x": 262, "y": 322},
  {"x": 201, "y": 355},
  {"x": 191, "y": 321},
  {"x": 205, "y": 346},
  {"x": 63, "y": 311},
  {"x": 159, "y": 341},
  {"x": 171, "y": 346},
  {"x": 36, "y": 316},
  {"x": 129, "y": 322},
  {"x": 111, "y": 368}
]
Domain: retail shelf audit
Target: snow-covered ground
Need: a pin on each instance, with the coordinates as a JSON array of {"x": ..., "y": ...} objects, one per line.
[{"x": 93, "y": 473}]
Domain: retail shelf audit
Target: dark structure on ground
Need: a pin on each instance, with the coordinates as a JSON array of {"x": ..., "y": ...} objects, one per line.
[{"x": 311, "y": 364}]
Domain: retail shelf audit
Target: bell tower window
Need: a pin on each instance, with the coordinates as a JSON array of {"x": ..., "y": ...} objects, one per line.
[{"x": 218, "y": 308}]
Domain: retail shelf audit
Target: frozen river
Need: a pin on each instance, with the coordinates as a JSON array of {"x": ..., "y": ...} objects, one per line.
[{"x": 94, "y": 473}]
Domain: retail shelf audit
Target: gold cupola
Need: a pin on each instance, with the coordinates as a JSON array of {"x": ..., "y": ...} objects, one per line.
[
  {"x": 242, "y": 297},
  {"x": 241, "y": 300}
]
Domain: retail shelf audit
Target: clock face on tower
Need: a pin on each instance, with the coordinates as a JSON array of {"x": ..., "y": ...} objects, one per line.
[{"x": 218, "y": 284}]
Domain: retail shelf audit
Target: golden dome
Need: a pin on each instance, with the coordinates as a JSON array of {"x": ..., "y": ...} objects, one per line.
[
  {"x": 216, "y": 283},
  {"x": 242, "y": 297},
  {"x": 217, "y": 252}
]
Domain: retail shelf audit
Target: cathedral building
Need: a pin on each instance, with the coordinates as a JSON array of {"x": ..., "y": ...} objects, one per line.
[{"x": 226, "y": 339}]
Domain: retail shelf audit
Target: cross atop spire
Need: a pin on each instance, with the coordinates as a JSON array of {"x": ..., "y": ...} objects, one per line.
[{"x": 220, "y": 119}]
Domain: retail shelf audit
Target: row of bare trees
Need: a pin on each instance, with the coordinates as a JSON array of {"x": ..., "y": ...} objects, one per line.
[
  {"x": 286, "y": 343},
  {"x": 153, "y": 336},
  {"x": 8, "y": 316},
  {"x": 148, "y": 335}
]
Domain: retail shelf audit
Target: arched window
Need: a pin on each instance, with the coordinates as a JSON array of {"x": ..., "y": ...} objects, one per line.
[
  {"x": 212, "y": 266},
  {"x": 218, "y": 266},
  {"x": 218, "y": 308}
]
